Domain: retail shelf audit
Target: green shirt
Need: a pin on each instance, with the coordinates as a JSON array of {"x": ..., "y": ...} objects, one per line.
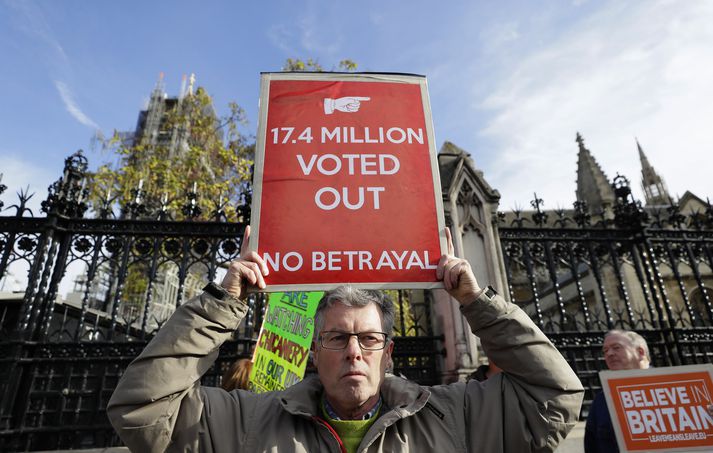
[{"x": 350, "y": 432}]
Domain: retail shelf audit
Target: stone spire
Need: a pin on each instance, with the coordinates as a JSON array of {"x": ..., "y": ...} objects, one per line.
[
  {"x": 593, "y": 186},
  {"x": 655, "y": 190}
]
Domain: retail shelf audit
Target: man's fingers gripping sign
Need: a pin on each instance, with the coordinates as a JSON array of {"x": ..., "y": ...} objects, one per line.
[
  {"x": 248, "y": 271},
  {"x": 456, "y": 274}
]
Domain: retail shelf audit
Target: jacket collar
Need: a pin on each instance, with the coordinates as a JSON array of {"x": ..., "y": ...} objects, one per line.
[{"x": 401, "y": 395}]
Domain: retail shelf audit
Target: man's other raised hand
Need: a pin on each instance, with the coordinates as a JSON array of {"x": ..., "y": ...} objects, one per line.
[
  {"x": 457, "y": 276},
  {"x": 248, "y": 271}
]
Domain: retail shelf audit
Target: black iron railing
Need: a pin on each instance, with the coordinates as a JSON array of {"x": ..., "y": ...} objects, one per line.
[
  {"x": 634, "y": 268},
  {"x": 63, "y": 349}
]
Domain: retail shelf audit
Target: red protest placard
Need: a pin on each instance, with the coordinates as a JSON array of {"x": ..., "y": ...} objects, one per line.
[
  {"x": 346, "y": 186},
  {"x": 661, "y": 409}
]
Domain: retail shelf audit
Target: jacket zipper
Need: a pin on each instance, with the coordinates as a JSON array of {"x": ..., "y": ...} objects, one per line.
[{"x": 331, "y": 430}]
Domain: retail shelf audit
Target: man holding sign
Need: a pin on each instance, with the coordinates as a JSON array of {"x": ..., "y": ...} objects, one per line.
[
  {"x": 649, "y": 409},
  {"x": 623, "y": 350},
  {"x": 352, "y": 405}
]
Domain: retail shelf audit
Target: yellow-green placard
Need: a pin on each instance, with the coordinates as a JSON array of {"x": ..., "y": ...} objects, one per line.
[{"x": 283, "y": 346}]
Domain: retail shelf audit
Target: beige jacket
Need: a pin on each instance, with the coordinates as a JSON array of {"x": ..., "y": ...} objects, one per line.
[{"x": 159, "y": 404}]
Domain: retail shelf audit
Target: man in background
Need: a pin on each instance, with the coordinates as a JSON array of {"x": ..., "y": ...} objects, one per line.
[
  {"x": 237, "y": 376},
  {"x": 623, "y": 350}
]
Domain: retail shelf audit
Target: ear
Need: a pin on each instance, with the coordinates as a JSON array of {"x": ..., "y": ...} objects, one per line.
[
  {"x": 387, "y": 356},
  {"x": 641, "y": 352}
]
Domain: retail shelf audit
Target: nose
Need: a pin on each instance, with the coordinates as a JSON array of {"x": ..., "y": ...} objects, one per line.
[{"x": 353, "y": 350}]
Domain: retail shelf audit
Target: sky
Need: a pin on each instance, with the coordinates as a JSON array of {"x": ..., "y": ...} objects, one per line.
[{"x": 510, "y": 82}]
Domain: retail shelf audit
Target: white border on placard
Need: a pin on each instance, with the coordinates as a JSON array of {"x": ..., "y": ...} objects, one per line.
[
  {"x": 606, "y": 375},
  {"x": 254, "y": 241}
]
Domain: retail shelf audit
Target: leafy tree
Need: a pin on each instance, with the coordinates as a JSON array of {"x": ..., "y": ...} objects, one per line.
[
  {"x": 197, "y": 149},
  {"x": 404, "y": 323},
  {"x": 300, "y": 65}
]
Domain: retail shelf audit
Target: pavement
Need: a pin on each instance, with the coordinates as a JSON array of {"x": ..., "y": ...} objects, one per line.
[{"x": 574, "y": 443}]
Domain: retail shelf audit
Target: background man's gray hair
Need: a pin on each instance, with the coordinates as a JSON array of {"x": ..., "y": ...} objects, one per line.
[
  {"x": 354, "y": 297},
  {"x": 634, "y": 338}
]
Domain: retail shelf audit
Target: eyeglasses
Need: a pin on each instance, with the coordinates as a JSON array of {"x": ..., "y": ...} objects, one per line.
[{"x": 368, "y": 341}]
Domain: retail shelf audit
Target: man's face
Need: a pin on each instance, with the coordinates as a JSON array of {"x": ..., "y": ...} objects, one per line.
[
  {"x": 352, "y": 377},
  {"x": 620, "y": 354}
]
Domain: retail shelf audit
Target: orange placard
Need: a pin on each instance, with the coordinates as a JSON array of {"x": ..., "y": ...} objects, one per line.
[
  {"x": 347, "y": 188},
  {"x": 661, "y": 409}
]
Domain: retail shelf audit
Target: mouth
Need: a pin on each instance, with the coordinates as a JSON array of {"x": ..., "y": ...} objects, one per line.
[
  {"x": 612, "y": 363},
  {"x": 350, "y": 374}
]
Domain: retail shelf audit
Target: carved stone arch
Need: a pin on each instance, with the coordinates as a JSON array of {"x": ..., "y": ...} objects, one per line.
[
  {"x": 469, "y": 204},
  {"x": 470, "y": 208}
]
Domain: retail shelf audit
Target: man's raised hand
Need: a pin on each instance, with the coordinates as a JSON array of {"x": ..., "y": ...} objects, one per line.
[
  {"x": 457, "y": 276},
  {"x": 248, "y": 271}
]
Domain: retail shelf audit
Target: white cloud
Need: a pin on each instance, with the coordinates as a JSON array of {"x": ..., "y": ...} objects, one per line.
[
  {"x": 71, "y": 105},
  {"x": 628, "y": 70},
  {"x": 31, "y": 20}
]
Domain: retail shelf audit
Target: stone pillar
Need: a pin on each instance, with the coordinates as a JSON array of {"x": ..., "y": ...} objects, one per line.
[{"x": 470, "y": 206}]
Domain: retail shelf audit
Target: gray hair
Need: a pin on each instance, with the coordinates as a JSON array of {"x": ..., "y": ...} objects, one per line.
[
  {"x": 634, "y": 338},
  {"x": 354, "y": 297}
]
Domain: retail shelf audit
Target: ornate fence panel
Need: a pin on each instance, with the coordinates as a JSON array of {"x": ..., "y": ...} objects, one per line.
[
  {"x": 62, "y": 351},
  {"x": 648, "y": 270}
]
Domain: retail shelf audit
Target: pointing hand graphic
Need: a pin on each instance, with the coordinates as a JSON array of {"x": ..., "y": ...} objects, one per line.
[{"x": 346, "y": 104}]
